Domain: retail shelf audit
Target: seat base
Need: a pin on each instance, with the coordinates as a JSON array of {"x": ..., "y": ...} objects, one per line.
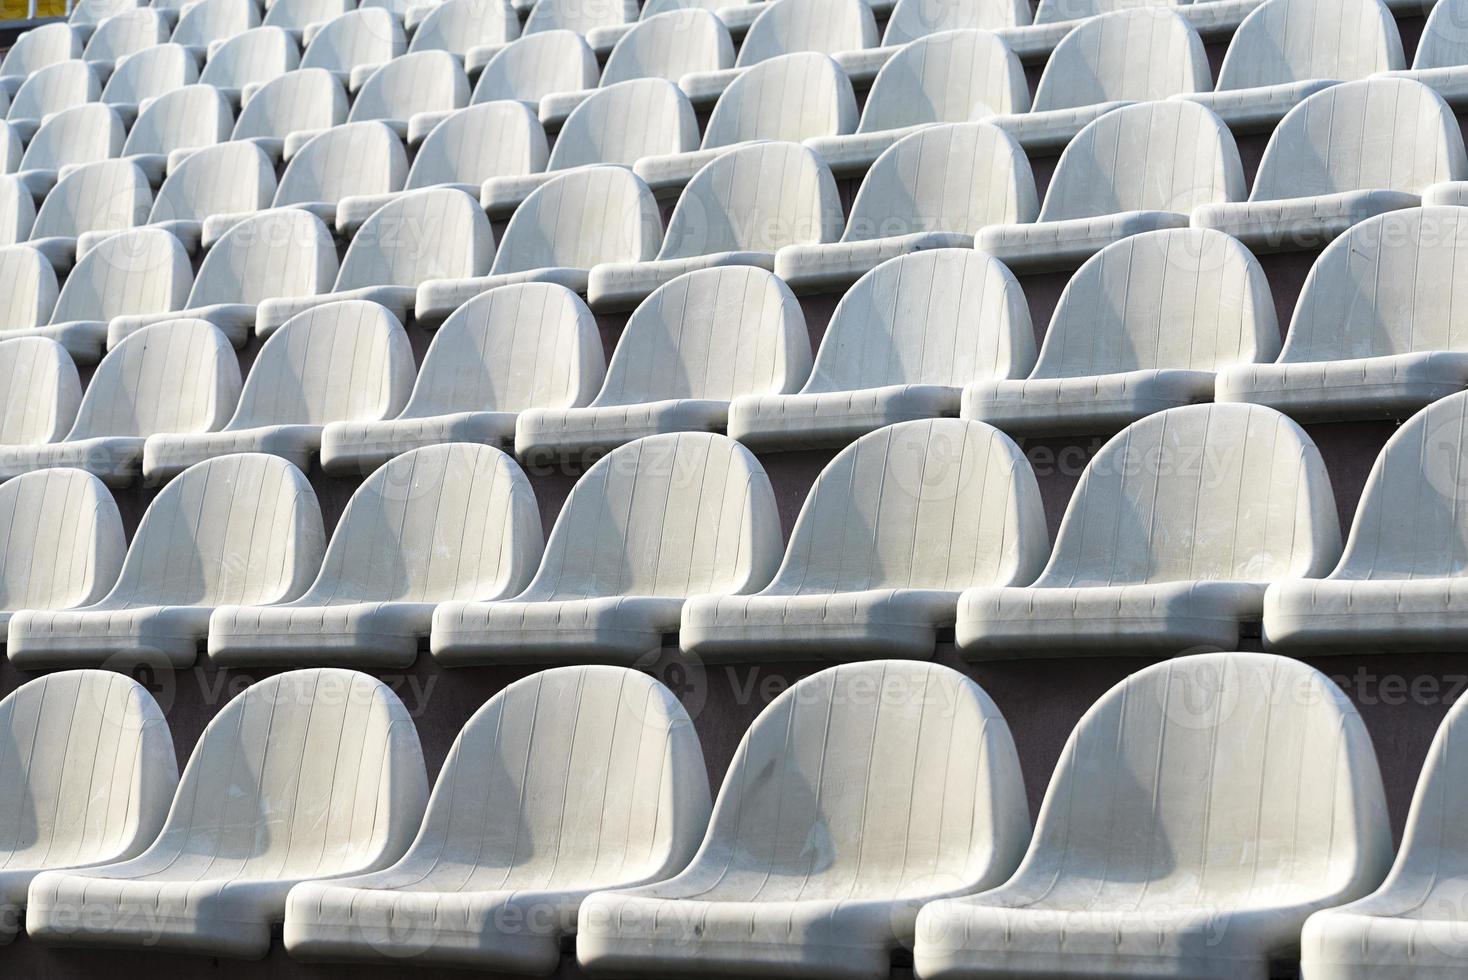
[
  {"x": 833, "y": 419},
  {"x": 1099, "y": 405},
  {"x": 1393, "y": 386}
]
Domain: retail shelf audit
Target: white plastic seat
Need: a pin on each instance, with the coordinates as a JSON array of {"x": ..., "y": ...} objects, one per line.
[
  {"x": 17, "y": 211},
  {"x": 1441, "y": 61},
  {"x": 759, "y": 106},
  {"x": 202, "y": 23},
  {"x": 531, "y": 345},
  {"x": 1173, "y": 533},
  {"x": 581, "y": 219},
  {"x": 251, "y": 59},
  {"x": 619, "y": 124},
  {"x": 49, "y": 91},
  {"x": 1287, "y": 50},
  {"x": 456, "y": 26},
  {"x": 437, "y": 233},
  {"x": 30, "y": 285},
  {"x": 935, "y": 188},
  {"x": 185, "y": 119},
  {"x": 533, "y": 66},
  {"x": 88, "y": 761},
  {"x": 567, "y": 781},
  {"x": 109, "y": 195},
  {"x": 914, "y": 20},
  {"x": 85, "y": 15},
  {"x": 1137, "y": 169},
  {"x": 1341, "y": 156},
  {"x": 281, "y": 252},
  {"x": 453, "y": 521},
  {"x": 651, "y": 523},
  {"x": 694, "y": 344},
  {"x": 125, "y": 33},
  {"x": 297, "y": 15},
  {"x": 307, "y": 774},
  {"x": 305, "y": 99},
  {"x": 579, "y": 16},
  {"x": 1054, "y": 19},
  {"x": 814, "y": 864},
  {"x": 39, "y": 388},
  {"x": 147, "y": 75},
  {"x": 11, "y": 148},
  {"x": 228, "y": 178},
  {"x": 741, "y": 209},
  {"x": 1145, "y": 325},
  {"x": 901, "y": 345},
  {"x": 242, "y": 529},
  {"x": 36, "y": 49},
  {"x": 82, "y": 134},
  {"x": 424, "y": 81},
  {"x": 355, "y": 44},
  {"x": 1375, "y": 332},
  {"x": 1255, "y": 776},
  {"x": 893, "y": 530},
  {"x": 177, "y": 376}
]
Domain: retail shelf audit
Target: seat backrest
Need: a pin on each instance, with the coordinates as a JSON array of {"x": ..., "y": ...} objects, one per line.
[
  {"x": 937, "y": 317},
  {"x": 277, "y": 789},
  {"x": 956, "y": 178},
  {"x": 40, "y": 47},
  {"x": 17, "y": 215},
  {"x": 1157, "y": 156},
  {"x": 175, "y": 376},
  {"x": 625, "y": 122},
  {"x": 54, "y": 88},
  {"x": 63, "y": 543},
  {"x": 1141, "y": 54},
  {"x": 303, "y": 100},
  {"x": 12, "y": 151},
  {"x": 82, "y": 134},
  {"x": 458, "y": 25},
  {"x": 30, "y": 285},
  {"x": 138, "y": 271},
  {"x": 553, "y": 227},
  {"x": 228, "y": 178},
  {"x": 528, "y": 345},
  {"x": 1224, "y": 776},
  {"x": 536, "y": 65},
  {"x": 126, "y": 33},
  {"x": 1378, "y": 133},
  {"x": 355, "y": 158},
  {"x": 828, "y": 26},
  {"x": 1443, "y": 43},
  {"x": 955, "y": 76},
  {"x": 87, "y": 769},
  {"x": 87, "y": 13},
  {"x": 580, "y": 16},
  {"x": 913, "y": 19},
  {"x": 254, "y": 57},
  {"x": 149, "y": 74},
  {"x": 213, "y": 20},
  {"x": 797, "y": 810},
  {"x": 451, "y": 521},
  {"x": 1431, "y": 856},
  {"x": 930, "y": 504},
  {"x": 436, "y": 233},
  {"x": 1064, "y": 11},
  {"x": 674, "y": 515},
  {"x": 793, "y": 97},
  {"x": 105, "y": 196},
  {"x": 188, "y": 117},
  {"x": 756, "y": 198},
  {"x": 39, "y": 389},
  {"x": 712, "y": 334},
  {"x": 424, "y": 81},
  {"x": 670, "y": 46},
  {"x": 300, "y": 14},
  {"x": 494, "y": 139},
  {"x": 1295, "y": 40},
  {"x": 369, "y": 36},
  {"x": 1225, "y": 492},
  {"x": 284, "y": 252},
  {"x": 233, "y": 530},
  {"x": 1184, "y": 299}
]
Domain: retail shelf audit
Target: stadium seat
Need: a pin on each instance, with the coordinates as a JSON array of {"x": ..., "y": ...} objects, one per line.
[
  {"x": 567, "y": 781},
  {"x": 582, "y": 218},
  {"x": 1143, "y": 326},
  {"x": 813, "y": 865},
  {"x": 39, "y": 385},
  {"x": 619, "y": 124},
  {"x": 30, "y": 284},
  {"x": 82, "y": 134},
  {"x": 348, "y": 360},
  {"x": 88, "y": 761},
  {"x": 531, "y": 345},
  {"x": 694, "y": 344},
  {"x": 1253, "y": 774},
  {"x": 147, "y": 75},
  {"x": 456, "y": 26},
  {"x": 235, "y": 530},
  {"x": 36, "y": 49},
  {"x": 49, "y": 91},
  {"x": 356, "y": 44},
  {"x": 17, "y": 215},
  {"x": 532, "y": 67},
  {"x": 740, "y": 209},
  {"x": 109, "y": 195},
  {"x": 304, "y": 99},
  {"x": 1375, "y": 333},
  {"x": 426, "y": 81},
  {"x": 307, "y": 774},
  {"x": 251, "y": 59},
  {"x": 185, "y": 119},
  {"x": 1173, "y": 533},
  {"x": 934, "y": 188},
  {"x": 176, "y": 376},
  {"x": 579, "y": 16},
  {"x": 85, "y": 15},
  {"x": 11, "y": 148},
  {"x": 1441, "y": 61},
  {"x": 736, "y": 18},
  {"x": 1139, "y": 168},
  {"x": 914, "y": 20},
  {"x": 894, "y": 528},
  {"x": 123, "y": 34},
  {"x": 201, "y": 24},
  {"x": 297, "y": 15},
  {"x": 651, "y": 523}
]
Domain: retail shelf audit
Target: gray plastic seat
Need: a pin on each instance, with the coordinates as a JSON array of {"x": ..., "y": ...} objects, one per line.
[
  {"x": 583, "y": 218},
  {"x": 1253, "y": 774},
  {"x": 893, "y": 530},
  {"x": 49, "y": 91},
  {"x": 1145, "y": 325},
  {"x": 72, "y": 137},
  {"x": 36, "y": 49},
  {"x": 901, "y": 345},
  {"x": 455, "y": 521},
  {"x": 692, "y": 346},
  {"x": 531, "y": 345},
  {"x": 274, "y": 794},
  {"x": 1441, "y": 61},
  {"x": 813, "y": 865},
  {"x": 176, "y": 376},
  {"x": 651, "y": 523},
  {"x": 456, "y": 26},
  {"x": 356, "y": 44},
  {"x": 1137, "y": 169},
  {"x": 740, "y": 209},
  {"x": 305, "y": 99},
  {"x": 1175, "y": 530},
  {"x": 125, "y": 33},
  {"x": 934, "y": 188},
  {"x": 147, "y": 75},
  {"x": 39, "y": 389},
  {"x": 88, "y": 761},
  {"x": 109, "y": 195},
  {"x": 567, "y": 781},
  {"x": 30, "y": 285},
  {"x": 1287, "y": 50},
  {"x": 579, "y": 16},
  {"x": 185, "y": 119},
  {"x": 1341, "y": 156},
  {"x": 535, "y": 65},
  {"x": 1375, "y": 332},
  {"x": 251, "y": 59},
  {"x": 202, "y": 23}
]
